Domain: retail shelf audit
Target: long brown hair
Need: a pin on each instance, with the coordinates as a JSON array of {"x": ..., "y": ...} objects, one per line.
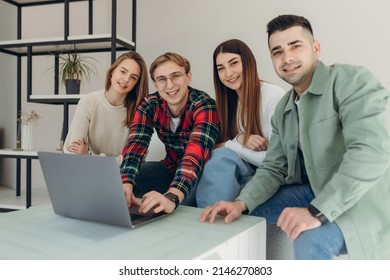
[
  {"x": 140, "y": 90},
  {"x": 227, "y": 99}
]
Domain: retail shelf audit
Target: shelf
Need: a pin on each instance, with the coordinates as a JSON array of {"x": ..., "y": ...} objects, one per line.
[
  {"x": 84, "y": 43},
  {"x": 18, "y": 154},
  {"x": 26, "y": 3},
  {"x": 55, "y": 99}
]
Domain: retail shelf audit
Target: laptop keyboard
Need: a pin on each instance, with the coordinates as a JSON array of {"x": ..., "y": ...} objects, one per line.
[{"x": 137, "y": 217}]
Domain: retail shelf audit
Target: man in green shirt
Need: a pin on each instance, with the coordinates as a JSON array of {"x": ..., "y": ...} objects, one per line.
[{"x": 325, "y": 178}]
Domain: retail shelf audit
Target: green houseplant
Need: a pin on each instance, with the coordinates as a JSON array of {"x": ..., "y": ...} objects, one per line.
[{"x": 74, "y": 68}]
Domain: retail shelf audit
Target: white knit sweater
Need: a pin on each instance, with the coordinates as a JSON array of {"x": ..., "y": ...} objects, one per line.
[{"x": 102, "y": 123}]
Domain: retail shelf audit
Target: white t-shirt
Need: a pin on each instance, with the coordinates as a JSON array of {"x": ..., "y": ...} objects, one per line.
[{"x": 270, "y": 94}]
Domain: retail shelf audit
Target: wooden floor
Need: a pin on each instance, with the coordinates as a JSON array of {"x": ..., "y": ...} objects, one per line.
[{"x": 9, "y": 200}]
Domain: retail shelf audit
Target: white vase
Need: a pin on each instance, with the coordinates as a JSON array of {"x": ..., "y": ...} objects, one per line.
[{"x": 27, "y": 136}]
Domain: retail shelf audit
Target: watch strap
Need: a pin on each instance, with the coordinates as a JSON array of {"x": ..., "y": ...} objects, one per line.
[
  {"x": 172, "y": 197},
  {"x": 317, "y": 213}
]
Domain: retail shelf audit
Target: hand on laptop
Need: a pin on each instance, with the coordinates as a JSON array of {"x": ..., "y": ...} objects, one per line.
[
  {"x": 156, "y": 201},
  {"x": 130, "y": 197}
]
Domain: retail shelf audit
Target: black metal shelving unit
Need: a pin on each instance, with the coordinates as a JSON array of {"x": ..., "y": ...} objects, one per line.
[
  {"x": 87, "y": 44},
  {"x": 27, "y": 48}
]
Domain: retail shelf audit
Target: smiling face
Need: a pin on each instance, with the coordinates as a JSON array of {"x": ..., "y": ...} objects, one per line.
[
  {"x": 125, "y": 76},
  {"x": 294, "y": 54},
  {"x": 229, "y": 67},
  {"x": 175, "y": 90}
]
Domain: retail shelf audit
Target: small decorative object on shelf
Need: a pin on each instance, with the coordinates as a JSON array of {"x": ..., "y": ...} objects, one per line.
[
  {"x": 74, "y": 68},
  {"x": 28, "y": 121}
]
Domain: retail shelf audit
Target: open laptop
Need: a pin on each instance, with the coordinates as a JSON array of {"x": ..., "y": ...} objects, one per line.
[{"x": 89, "y": 188}]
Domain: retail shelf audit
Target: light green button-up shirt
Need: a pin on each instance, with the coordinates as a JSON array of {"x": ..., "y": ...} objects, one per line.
[{"x": 346, "y": 147}]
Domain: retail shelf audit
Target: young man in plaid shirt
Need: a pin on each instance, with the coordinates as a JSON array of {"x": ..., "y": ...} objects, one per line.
[{"x": 186, "y": 122}]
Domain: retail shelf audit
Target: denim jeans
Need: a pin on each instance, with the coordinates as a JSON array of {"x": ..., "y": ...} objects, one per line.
[
  {"x": 154, "y": 176},
  {"x": 322, "y": 243},
  {"x": 224, "y": 175}
]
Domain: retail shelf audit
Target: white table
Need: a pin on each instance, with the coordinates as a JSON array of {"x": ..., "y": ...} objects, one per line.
[{"x": 38, "y": 233}]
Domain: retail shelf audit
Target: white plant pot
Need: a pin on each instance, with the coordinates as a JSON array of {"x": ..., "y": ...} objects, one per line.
[{"x": 27, "y": 136}]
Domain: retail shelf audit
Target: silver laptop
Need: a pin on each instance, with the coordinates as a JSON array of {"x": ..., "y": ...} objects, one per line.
[{"x": 89, "y": 188}]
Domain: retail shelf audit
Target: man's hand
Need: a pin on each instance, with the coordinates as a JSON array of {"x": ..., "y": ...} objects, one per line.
[
  {"x": 156, "y": 201},
  {"x": 293, "y": 221},
  {"x": 130, "y": 198},
  {"x": 232, "y": 210}
]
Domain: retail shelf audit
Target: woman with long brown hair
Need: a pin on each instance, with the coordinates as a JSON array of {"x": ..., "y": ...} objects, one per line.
[
  {"x": 245, "y": 105},
  {"x": 102, "y": 119}
]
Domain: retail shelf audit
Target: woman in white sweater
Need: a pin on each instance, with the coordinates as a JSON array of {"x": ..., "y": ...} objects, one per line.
[
  {"x": 102, "y": 119},
  {"x": 245, "y": 105}
]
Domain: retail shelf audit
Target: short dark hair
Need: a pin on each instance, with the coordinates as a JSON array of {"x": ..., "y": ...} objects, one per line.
[{"x": 283, "y": 22}]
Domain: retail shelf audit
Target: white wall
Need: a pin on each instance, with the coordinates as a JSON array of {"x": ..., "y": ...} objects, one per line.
[
  {"x": 350, "y": 31},
  {"x": 7, "y": 94}
]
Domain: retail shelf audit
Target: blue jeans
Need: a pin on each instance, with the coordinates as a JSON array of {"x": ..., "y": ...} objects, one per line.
[
  {"x": 155, "y": 176},
  {"x": 224, "y": 175},
  {"x": 322, "y": 243}
]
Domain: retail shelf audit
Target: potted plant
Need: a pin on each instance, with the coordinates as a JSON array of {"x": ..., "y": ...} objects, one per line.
[{"x": 73, "y": 69}]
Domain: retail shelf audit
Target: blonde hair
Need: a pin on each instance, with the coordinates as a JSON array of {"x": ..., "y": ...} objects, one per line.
[{"x": 176, "y": 58}]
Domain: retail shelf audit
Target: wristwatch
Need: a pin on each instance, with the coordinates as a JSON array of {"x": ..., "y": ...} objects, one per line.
[
  {"x": 172, "y": 197},
  {"x": 317, "y": 213}
]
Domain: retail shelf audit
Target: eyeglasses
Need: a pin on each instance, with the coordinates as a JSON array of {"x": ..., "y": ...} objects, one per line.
[{"x": 175, "y": 78}]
